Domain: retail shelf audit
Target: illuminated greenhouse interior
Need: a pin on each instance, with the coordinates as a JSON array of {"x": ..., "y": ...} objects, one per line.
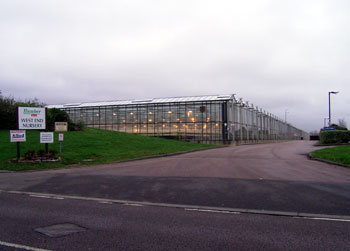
[{"x": 219, "y": 119}]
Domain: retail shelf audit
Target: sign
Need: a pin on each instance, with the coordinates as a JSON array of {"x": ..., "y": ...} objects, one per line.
[
  {"x": 60, "y": 136},
  {"x": 328, "y": 128},
  {"x": 61, "y": 126},
  {"x": 46, "y": 137},
  {"x": 31, "y": 118},
  {"x": 18, "y": 136}
]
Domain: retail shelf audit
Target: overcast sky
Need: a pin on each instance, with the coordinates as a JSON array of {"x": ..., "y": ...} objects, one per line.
[{"x": 279, "y": 55}]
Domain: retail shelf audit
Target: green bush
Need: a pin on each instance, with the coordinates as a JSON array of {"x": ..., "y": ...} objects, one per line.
[
  {"x": 334, "y": 137},
  {"x": 80, "y": 125},
  {"x": 8, "y": 106},
  {"x": 57, "y": 115}
]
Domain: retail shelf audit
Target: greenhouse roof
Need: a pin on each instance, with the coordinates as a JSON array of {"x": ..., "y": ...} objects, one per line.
[{"x": 148, "y": 101}]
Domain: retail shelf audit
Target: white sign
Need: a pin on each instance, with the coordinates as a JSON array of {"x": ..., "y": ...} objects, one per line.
[
  {"x": 31, "y": 118},
  {"x": 18, "y": 136},
  {"x": 61, "y": 126},
  {"x": 46, "y": 137},
  {"x": 60, "y": 137}
]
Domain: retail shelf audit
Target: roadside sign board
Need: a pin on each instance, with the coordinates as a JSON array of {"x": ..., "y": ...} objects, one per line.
[
  {"x": 60, "y": 136},
  {"x": 46, "y": 137},
  {"x": 328, "y": 128},
  {"x": 61, "y": 126},
  {"x": 31, "y": 118},
  {"x": 17, "y": 135}
]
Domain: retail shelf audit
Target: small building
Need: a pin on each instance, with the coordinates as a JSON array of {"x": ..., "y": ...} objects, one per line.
[{"x": 216, "y": 119}]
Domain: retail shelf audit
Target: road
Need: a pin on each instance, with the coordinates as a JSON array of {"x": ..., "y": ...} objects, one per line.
[
  {"x": 131, "y": 227},
  {"x": 276, "y": 176},
  {"x": 121, "y": 205}
]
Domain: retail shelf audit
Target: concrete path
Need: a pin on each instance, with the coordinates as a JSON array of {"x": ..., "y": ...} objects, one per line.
[{"x": 276, "y": 176}]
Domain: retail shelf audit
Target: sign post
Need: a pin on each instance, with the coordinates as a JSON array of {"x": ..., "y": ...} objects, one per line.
[
  {"x": 60, "y": 139},
  {"x": 18, "y": 146},
  {"x": 28, "y": 118},
  {"x": 61, "y": 127},
  {"x": 18, "y": 136},
  {"x": 47, "y": 129},
  {"x": 329, "y": 128},
  {"x": 31, "y": 118}
]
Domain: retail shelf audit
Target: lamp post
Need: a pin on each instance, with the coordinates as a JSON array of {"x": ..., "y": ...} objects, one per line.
[
  {"x": 325, "y": 123},
  {"x": 329, "y": 106}
]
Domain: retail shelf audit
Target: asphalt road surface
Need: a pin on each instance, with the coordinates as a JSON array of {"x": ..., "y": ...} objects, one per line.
[
  {"x": 38, "y": 222},
  {"x": 276, "y": 176},
  {"x": 38, "y": 211}
]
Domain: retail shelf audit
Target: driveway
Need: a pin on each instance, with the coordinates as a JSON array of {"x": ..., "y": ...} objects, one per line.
[{"x": 276, "y": 176}]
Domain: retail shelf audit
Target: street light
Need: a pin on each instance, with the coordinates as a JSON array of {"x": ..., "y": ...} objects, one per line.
[
  {"x": 329, "y": 106},
  {"x": 325, "y": 119},
  {"x": 285, "y": 115}
]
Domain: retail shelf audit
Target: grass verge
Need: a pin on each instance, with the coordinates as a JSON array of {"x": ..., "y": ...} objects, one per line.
[
  {"x": 339, "y": 154},
  {"x": 100, "y": 146}
]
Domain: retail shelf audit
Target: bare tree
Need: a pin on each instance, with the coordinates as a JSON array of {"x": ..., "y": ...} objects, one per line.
[{"x": 342, "y": 123}]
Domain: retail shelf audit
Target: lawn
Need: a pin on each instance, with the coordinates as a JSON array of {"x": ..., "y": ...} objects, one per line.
[
  {"x": 339, "y": 154},
  {"x": 97, "y": 146}
]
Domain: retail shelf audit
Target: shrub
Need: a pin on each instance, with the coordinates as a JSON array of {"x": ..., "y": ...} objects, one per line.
[
  {"x": 8, "y": 106},
  {"x": 80, "y": 125},
  {"x": 334, "y": 137},
  {"x": 57, "y": 115},
  {"x": 29, "y": 155},
  {"x": 41, "y": 153},
  {"x": 52, "y": 153}
]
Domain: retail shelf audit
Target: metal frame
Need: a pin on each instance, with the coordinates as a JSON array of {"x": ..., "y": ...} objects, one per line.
[{"x": 206, "y": 119}]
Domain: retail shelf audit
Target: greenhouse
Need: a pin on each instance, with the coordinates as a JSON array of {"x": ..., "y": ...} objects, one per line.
[{"x": 217, "y": 119}]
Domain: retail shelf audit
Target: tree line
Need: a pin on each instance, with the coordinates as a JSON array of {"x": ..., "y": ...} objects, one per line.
[{"x": 8, "y": 107}]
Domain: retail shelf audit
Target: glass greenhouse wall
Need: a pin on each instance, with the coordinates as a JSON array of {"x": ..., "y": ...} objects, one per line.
[{"x": 206, "y": 119}]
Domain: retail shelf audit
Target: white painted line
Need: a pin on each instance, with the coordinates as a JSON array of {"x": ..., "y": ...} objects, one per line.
[
  {"x": 189, "y": 207},
  {"x": 326, "y": 219},
  {"x": 40, "y": 196},
  {"x": 46, "y": 197},
  {"x": 211, "y": 211},
  {"x": 105, "y": 202},
  {"x": 13, "y": 245},
  {"x": 133, "y": 204},
  {"x": 58, "y": 198}
]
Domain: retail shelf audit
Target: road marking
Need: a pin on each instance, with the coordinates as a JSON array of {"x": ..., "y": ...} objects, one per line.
[
  {"x": 105, "y": 202},
  {"x": 325, "y": 219},
  {"x": 218, "y": 209},
  {"x": 13, "y": 245},
  {"x": 211, "y": 211},
  {"x": 46, "y": 197},
  {"x": 133, "y": 204}
]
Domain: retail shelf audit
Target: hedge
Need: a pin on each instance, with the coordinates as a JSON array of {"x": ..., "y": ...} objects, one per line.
[{"x": 334, "y": 137}]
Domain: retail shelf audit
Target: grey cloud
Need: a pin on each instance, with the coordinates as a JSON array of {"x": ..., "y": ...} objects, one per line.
[{"x": 277, "y": 54}]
